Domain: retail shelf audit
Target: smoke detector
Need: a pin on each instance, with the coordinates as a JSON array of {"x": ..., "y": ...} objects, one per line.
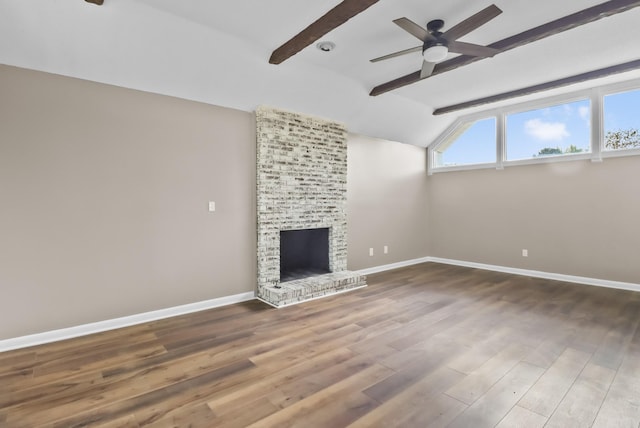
[{"x": 326, "y": 46}]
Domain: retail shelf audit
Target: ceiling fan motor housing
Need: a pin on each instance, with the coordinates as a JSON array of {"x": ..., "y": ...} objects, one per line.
[
  {"x": 435, "y": 26},
  {"x": 431, "y": 43}
]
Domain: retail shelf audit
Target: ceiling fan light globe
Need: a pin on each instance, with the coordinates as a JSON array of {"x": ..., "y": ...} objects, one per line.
[{"x": 435, "y": 53}]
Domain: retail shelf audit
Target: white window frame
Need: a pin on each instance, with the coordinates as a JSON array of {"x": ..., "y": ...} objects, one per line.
[
  {"x": 448, "y": 141},
  {"x": 597, "y": 154}
]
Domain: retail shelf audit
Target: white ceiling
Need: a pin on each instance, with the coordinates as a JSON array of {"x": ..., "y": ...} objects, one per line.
[{"x": 217, "y": 52}]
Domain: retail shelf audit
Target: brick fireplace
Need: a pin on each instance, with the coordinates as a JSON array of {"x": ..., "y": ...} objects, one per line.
[{"x": 302, "y": 185}]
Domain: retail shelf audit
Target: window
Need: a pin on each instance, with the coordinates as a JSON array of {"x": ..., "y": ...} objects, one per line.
[
  {"x": 596, "y": 123},
  {"x": 621, "y": 121},
  {"x": 558, "y": 130},
  {"x": 470, "y": 144}
]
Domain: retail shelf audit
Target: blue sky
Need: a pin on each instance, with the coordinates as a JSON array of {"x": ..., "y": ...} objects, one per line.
[
  {"x": 551, "y": 127},
  {"x": 556, "y": 126},
  {"x": 476, "y": 145},
  {"x": 622, "y": 111}
]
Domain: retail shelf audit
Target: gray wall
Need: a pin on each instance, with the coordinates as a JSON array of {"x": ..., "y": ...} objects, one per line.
[
  {"x": 386, "y": 202},
  {"x": 104, "y": 191},
  {"x": 104, "y": 194},
  {"x": 104, "y": 202},
  {"x": 575, "y": 218}
]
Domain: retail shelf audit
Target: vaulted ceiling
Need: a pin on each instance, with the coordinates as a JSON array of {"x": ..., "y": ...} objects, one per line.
[{"x": 217, "y": 52}]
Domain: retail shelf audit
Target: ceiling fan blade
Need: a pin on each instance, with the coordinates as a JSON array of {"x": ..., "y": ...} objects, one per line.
[
  {"x": 427, "y": 69},
  {"x": 472, "y": 50},
  {"x": 98, "y": 2},
  {"x": 327, "y": 22},
  {"x": 414, "y": 29},
  {"x": 473, "y": 22},
  {"x": 395, "y": 54},
  {"x": 531, "y": 35}
]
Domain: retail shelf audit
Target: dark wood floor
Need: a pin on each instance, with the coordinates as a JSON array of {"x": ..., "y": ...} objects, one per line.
[{"x": 425, "y": 346}]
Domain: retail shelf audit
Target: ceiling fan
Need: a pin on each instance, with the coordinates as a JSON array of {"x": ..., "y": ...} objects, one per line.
[{"x": 437, "y": 44}]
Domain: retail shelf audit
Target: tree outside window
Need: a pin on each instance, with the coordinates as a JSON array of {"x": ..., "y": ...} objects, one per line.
[{"x": 621, "y": 120}]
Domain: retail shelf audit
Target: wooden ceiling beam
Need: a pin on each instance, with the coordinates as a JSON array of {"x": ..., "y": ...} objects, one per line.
[
  {"x": 327, "y": 22},
  {"x": 565, "y": 23},
  {"x": 595, "y": 74}
]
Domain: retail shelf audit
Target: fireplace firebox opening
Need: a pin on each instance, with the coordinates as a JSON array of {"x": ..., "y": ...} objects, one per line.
[{"x": 303, "y": 253}]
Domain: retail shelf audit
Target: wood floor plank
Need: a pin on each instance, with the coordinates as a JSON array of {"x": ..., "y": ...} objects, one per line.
[
  {"x": 94, "y": 343},
  {"x": 621, "y": 406},
  {"x": 498, "y": 401},
  {"x": 235, "y": 397},
  {"x": 126, "y": 421},
  {"x": 620, "y": 409},
  {"x": 559, "y": 334},
  {"x": 84, "y": 354},
  {"x": 58, "y": 391},
  {"x": 611, "y": 351},
  {"x": 482, "y": 351},
  {"x": 152, "y": 406},
  {"x": 15, "y": 377},
  {"x": 582, "y": 402},
  {"x": 16, "y": 361},
  {"x": 82, "y": 362},
  {"x": 337, "y": 405},
  {"x": 431, "y": 352},
  {"x": 407, "y": 407},
  {"x": 481, "y": 380},
  {"x": 289, "y": 393},
  {"x": 240, "y": 416},
  {"x": 145, "y": 378},
  {"x": 192, "y": 416},
  {"x": 415, "y": 367},
  {"x": 437, "y": 414},
  {"x": 519, "y": 417},
  {"x": 428, "y": 345},
  {"x": 546, "y": 394}
]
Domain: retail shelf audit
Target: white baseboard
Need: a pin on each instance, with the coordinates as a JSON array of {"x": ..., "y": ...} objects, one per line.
[
  {"x": 100, "y": 326},
  {"x": 516, "y": 271},
  {"x": 391, "y": 266},
  {"x": 540, "y": 274}
]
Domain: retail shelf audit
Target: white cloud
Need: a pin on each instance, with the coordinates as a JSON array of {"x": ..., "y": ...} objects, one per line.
[
  {"x": 584, "y": 112},
  {"x": 546, "y": 131}
]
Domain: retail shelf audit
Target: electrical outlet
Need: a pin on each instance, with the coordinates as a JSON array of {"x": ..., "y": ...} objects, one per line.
[
  {"x": 386, "y": 249},
  {"x": 525, "y": 253},
  {"x": 212, "y": 206},
  {"x": 371, "y": 251}
]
